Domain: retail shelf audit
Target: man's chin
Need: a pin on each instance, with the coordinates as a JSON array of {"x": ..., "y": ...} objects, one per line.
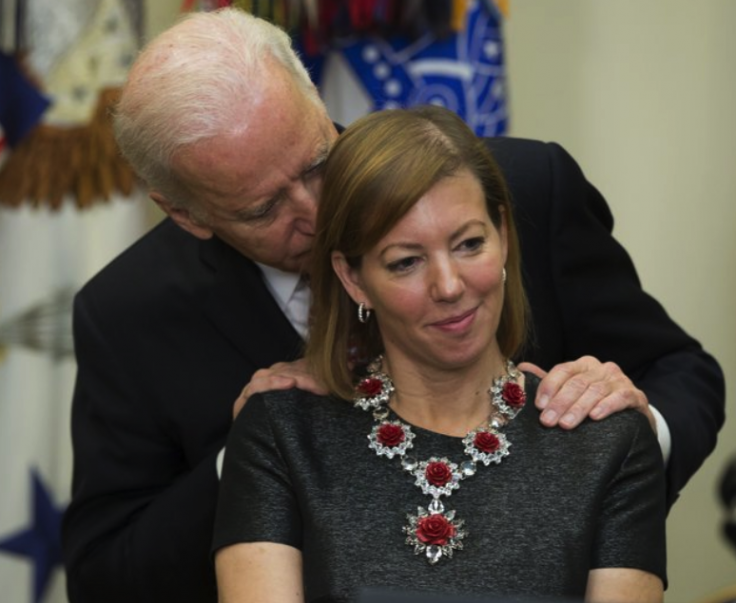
[
  {"x": 297, "y": 265},
  {"x": 302, "y": 263}
]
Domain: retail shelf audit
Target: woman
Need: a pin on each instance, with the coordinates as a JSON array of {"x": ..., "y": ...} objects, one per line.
[{"x": 438, "y": 477}]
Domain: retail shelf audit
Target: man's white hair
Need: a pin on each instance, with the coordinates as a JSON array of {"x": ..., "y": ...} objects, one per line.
[{"x": 196, "y": 81}]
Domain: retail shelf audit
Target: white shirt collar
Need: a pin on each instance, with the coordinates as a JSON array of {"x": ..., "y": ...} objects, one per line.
[
  {"x": 292, "y": 299},
  {"x": 279, "y": 283}
]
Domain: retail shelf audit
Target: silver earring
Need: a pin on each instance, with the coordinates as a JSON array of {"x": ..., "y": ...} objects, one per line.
[
  {"x": 363, "y": 313},
  {"x": 503, "y": 275}
]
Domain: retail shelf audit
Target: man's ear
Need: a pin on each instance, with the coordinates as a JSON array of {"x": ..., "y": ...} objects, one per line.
[
  {"x": 182, "y": 217},
  {"x": 350, "y": 278}
]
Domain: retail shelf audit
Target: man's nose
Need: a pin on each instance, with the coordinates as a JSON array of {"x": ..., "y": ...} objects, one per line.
[{"x": 304, "y": 198}]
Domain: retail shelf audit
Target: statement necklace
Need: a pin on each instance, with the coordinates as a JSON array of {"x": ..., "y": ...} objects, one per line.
[{"x": 435, "y": 531}]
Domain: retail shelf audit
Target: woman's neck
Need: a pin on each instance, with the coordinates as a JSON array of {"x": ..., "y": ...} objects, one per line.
[{"x": 451, "y": 402}]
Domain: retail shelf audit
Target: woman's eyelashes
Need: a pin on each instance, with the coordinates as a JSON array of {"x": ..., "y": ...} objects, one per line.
[
  {"x": 470, "y": 245},
  {"x": 402, "y": 264}
]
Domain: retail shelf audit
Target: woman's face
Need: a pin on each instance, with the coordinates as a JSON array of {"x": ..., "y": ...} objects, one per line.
[{"x": 434, "y": 282}]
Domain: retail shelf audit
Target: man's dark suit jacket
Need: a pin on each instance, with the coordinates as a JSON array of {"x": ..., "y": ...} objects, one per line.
[{"x": 168, "y": 334}]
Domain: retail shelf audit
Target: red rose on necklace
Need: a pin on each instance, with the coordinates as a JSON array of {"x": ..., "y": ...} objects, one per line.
[
  {"x": 513, "y": 395},
  {"x": 435, "y": 529},
  {"x": 390, "y": 435},
  {"x": 438, "y": 473},
  {"x": 370, "y": 386},
  {"x": 485, "y": 441}
]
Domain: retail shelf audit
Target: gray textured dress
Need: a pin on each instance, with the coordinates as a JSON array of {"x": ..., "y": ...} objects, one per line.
[{"x": 298, "y": 471}]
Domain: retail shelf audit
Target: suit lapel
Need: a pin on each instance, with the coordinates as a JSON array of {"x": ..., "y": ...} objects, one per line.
[{"x": 241, "y": 308}]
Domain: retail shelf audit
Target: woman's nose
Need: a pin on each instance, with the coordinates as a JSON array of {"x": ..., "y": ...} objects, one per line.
[{"x": 447, "y": 283}]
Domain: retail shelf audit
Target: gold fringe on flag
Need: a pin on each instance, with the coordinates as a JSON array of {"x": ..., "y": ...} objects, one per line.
[{"x": 80, "y": 161}]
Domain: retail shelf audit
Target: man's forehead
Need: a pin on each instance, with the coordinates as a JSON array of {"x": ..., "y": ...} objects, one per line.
[
  {"x": 235, "y": 169},
  {"x": 291, "y": 162},
  {"x": 279, "y": 133}
]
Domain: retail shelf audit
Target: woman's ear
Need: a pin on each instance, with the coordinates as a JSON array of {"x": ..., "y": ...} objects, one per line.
[{"x": 349, "y": 277}]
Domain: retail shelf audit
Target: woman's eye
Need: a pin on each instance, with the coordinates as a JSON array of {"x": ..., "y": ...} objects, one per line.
[
  {"x": 472, "y": 244},
  {"x": 402, "y": 265}
]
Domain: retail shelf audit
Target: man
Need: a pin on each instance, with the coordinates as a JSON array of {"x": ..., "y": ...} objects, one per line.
[{"x": 222, "y": 123}]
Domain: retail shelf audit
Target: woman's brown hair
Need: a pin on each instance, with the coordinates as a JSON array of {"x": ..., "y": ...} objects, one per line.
[{"x": 376, "y": 172}]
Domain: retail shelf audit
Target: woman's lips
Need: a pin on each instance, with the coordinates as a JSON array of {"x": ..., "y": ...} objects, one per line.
[{"x": 457, "y": 323}]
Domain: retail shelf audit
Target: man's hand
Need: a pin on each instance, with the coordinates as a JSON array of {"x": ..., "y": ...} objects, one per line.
[
  {"x": 585, "y": 388},
  {"x": 282, "y": 375}
]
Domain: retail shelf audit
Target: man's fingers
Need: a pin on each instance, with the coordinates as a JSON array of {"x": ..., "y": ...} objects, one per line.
[
  {"x": 549, "y": 395},
  {"x": 267, "y": 383},
  {"x": 260, "y": 384},
  {"x": 577, "y": 399},
  {"x": 282, "y": 375},
  {"x": 528, "y": 367},
  {"x": 570, "y": 403},
  {"x": 621, "y": 399},
  {"x": 586, "y": 388}
]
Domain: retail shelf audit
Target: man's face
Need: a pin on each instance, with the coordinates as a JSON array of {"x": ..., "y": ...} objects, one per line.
[{"x": 257, "y": 187}]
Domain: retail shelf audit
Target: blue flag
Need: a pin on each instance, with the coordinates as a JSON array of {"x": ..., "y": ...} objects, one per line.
[
  {"x": 463, "y": 71},
  {"x": 21, "y": 105}
]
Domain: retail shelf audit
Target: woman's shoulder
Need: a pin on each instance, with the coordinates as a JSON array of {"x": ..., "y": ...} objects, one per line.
[
  {"x": 298, "y": 398},
  {"x": 288, "y": 412},
  {"x": 620, "y": 436},
  {"x": 298, "y": 405},
  {"x": 287, "y": 397},
  {"x": 616, "y": 437},
  {"x": 626, "y": 423}
]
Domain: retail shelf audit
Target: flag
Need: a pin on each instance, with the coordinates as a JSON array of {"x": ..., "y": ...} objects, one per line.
[
  {"x": 21, "y": 104},
  {"x": 45, "y": 256},
  {"x": 463, "y": 70}
]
